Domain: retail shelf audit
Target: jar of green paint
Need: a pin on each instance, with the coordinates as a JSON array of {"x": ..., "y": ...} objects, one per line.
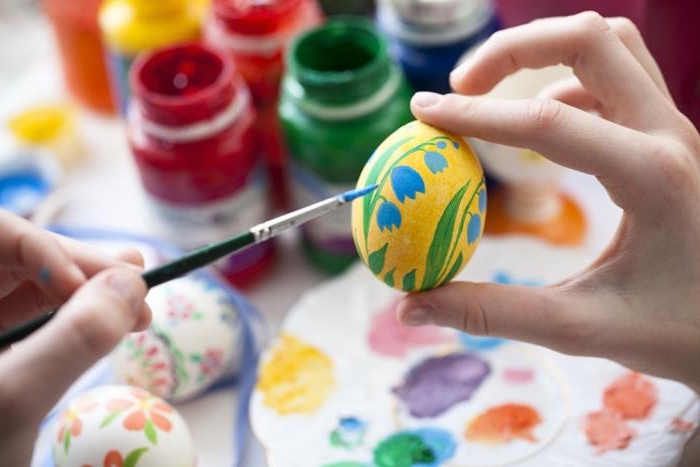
[{"x": 341, "y": 96}]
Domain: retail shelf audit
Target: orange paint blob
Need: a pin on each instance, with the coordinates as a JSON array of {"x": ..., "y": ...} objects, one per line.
[
  {"x": 607, "y": 430},
  {"x": 503, "y": 424},
  {"x": 632, "y": 395}
]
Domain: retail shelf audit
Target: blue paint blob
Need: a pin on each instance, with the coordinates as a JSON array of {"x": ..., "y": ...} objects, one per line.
[
  {"x": 502, "y": 277},
  {"x": 349, "y": 433},
  {"x": 425, "y": 447},
  {"x": 45, "y": 274},
  {"x": 440, "y": 442},
  {"x": 21, "y": 191},
  {"x": 480, "y": 343}
]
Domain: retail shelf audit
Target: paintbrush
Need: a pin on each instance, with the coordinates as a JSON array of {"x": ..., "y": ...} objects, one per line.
[{"x": 210, "y": 253}]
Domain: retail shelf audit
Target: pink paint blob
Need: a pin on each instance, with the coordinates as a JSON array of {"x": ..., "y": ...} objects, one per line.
[
  {"x": 632, "y": 395},
  {"x": 516, "y": 375},
  {"x": 390, "y": 338},
  {"x": 678, "y": 425},
  {"x": 607, "y": 431}
]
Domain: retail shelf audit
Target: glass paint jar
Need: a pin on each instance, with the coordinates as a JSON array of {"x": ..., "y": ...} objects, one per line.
[
  {"x": 428, "y": 37},
  {"x": 79, "y": 42},
  {"x": 190, "y": 128},
  {"x": 342, "y": 95},
  {"x": 256, "y": 34},
  {"x": 347, "y": 7},
  {"x": 130, "y": 27}
]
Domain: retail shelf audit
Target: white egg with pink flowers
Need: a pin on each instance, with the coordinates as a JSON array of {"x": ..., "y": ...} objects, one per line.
[{"x": 194, "y": 340}]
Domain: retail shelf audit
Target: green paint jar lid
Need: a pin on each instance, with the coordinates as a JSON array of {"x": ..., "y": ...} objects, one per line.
[{"x": 341, "y": 69}]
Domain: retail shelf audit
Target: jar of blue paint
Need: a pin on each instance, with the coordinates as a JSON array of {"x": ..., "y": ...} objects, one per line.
[{"x": 428, "y": 37}]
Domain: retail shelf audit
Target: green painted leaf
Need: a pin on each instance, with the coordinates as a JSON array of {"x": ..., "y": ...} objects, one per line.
[
  {"x": 370, "y": 200},
  {"x": 150, "y": 432},
  {"x": 66, "y": 441},
  {"x": 389, "y": 278},
  {"x": 442, "y": 239},
  {"x": 409, "y": 281},
  {"x": 109, "y": 419},
  {"x": 455, "y": 268},
  {"x": 132, "y": 459},
  {"x": 376, "y": 259}
]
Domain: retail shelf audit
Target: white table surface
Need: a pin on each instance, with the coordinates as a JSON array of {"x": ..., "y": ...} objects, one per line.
[{"x": 104, "y": 190}]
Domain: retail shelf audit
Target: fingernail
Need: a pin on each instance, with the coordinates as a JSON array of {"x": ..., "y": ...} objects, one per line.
[
  {"x": 418, "y": 316},
  {"x": 425, "y": 99},
  {"x": 127, "y": 284},
  {"x": 458, "y": 73}
]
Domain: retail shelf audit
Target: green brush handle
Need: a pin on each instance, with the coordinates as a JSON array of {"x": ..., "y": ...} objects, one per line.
[{"x": 152, "y": 277}]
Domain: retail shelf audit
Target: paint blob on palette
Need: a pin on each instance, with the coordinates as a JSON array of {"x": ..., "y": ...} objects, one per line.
[
  {"x": 498, "y": 419},
  {"x": 355, "y": 388}
]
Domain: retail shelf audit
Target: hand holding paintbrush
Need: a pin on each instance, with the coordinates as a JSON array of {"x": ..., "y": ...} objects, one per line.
[{"x": 210, "y": 253}]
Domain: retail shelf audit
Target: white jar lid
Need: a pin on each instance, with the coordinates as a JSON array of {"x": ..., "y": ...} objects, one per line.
[
  {"x": 433, "y": 22},
  {"x": 432, "y": 12}
]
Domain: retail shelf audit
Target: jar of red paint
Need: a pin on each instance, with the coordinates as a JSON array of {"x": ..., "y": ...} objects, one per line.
[
  {"x": 191, "y": 129},
  {"x": 255, "y": 35}
]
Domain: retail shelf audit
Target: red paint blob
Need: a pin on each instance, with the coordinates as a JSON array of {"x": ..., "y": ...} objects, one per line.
[
  {"x": 503, "y": 424},
  {"x": 632, "y": 395},
  {"x": 607, "y": 430}
]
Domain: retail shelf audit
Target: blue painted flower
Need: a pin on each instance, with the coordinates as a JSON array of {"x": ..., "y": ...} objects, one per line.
[
  {"x": 388, "y": 216},
  {"x": 435, "y": 161},
  {"x": 482, "y": 200},
  {"x": 406, "y": 182},
  {"x": 455, "y": 144},
  {"x": 441, "y": 145},
  {"x": 473, "y": 228}
]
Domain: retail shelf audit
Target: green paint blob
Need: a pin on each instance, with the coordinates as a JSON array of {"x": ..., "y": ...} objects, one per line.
[{"x": 403, "y": 450}]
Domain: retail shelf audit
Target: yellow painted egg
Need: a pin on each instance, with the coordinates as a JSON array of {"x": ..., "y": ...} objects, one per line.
[{"x": 421, "y": 225}]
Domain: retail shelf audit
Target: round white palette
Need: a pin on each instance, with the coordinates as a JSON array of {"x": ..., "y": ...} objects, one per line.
[{"x": 327, "y": 391}]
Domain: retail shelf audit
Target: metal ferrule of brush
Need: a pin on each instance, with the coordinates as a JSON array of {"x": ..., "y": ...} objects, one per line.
[{"x": 276, "y": 226}]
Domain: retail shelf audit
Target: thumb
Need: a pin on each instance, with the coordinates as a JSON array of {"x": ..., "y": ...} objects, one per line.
[
  {"x": 542, "y": 315},
  {"x": 85, "y": 329}
]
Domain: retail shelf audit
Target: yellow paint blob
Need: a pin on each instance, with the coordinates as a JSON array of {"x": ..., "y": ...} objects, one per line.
[
  {"x": 51, "y": 127},
  {"x": 297, "y": 378},
  {"x": 420, "y": 227}
]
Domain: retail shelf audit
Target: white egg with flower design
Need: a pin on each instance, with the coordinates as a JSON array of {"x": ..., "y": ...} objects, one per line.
[
  {"x": 194, "y": 339},
  {"x": 121, "y": 426}
]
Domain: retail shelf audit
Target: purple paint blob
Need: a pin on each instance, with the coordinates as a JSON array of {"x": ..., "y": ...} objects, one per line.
[{"x": 438, "y": 383}]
